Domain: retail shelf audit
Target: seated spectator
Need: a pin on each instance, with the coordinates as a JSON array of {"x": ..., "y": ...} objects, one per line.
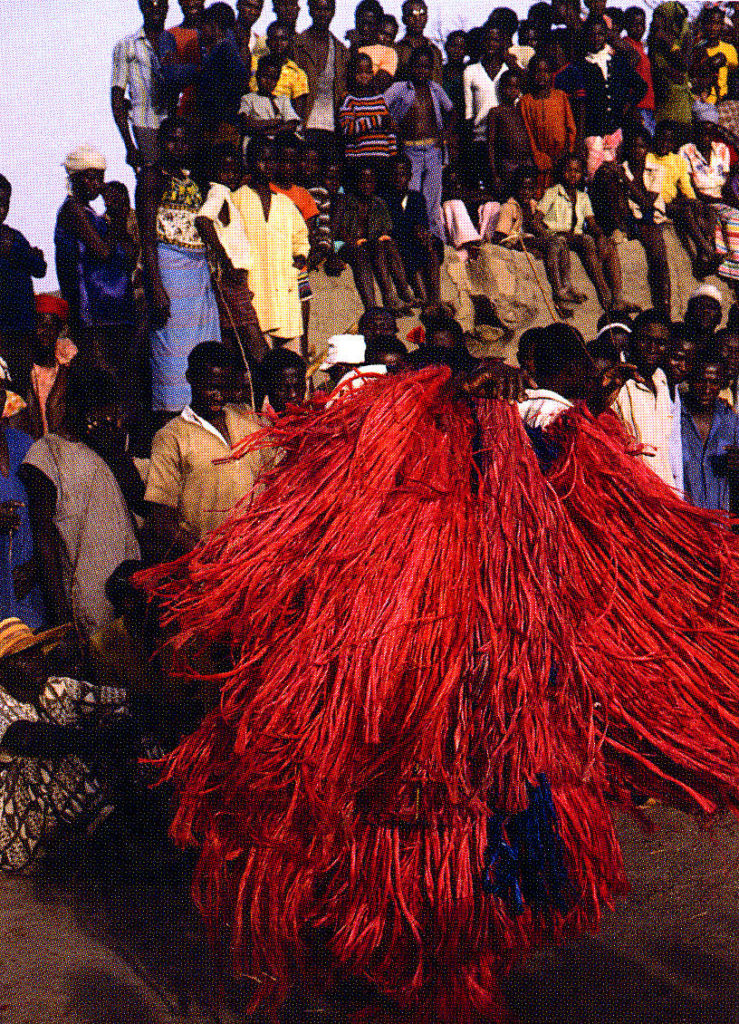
[
  {"x": 693, "y": 227},
  {"x": 710, "y": 435},
  {"x": 280, "y": 245},
  {"x": 547, "y": 114},
  {"x": 703, "y": 315},
  {"x": 312, "y": 172},
  {"x": 262, "y": 112},
  {"x": 521, "y": 223},
  {"x": 366, "y": 124},
  {"x": 421, "y": 252},
  {"x": 636, "y": 26},
  {"x": 51, "y": 357},
  {"x": 415, "y": 18},
  {"x": 567, "y": 211},
  {"x": 18, "y": 264},
  {"x": 366, "y": 231},
  {"x": 66, "y": 744},
  {"x": 284, "y": 379},
  {"x": 193, "y": 482},
  {"x": 508, "y": 139},
  {"x": 82, "y": 525},
  {"x": 421, "y": 110},
  {"x": 644, "y": 406},
  {"x": 293, "y": 81},
  {"x": 220, "y": 226},
  {"x": 604, "y": 90}
]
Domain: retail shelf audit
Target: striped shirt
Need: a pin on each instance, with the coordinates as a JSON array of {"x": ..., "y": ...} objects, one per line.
[
  {"x": 136, "y": 69},
  {"x": 365, "y": 123}
]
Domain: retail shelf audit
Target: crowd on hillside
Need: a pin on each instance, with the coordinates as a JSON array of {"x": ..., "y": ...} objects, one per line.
[{"x": 181, "y": 327}]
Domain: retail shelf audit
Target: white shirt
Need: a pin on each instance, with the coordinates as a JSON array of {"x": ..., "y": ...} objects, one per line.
[
  {"x": 541, "y": 407},
  {"x": 480, "y": 96},
  {"x": 231, "y": 236},
  {"x": 648, "y": 417}
]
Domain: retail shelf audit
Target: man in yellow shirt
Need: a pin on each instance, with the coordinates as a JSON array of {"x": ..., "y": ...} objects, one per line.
[
  {"x": 723, "y": 56},
  {"x": 681, "y": 204}
]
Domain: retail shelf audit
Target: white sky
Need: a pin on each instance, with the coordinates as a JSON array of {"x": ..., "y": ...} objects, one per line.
[{"x": 55, "y": 89}]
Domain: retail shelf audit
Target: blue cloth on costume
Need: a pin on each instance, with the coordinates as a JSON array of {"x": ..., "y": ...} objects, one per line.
[
  {"x": 17, "y": 267},
  {"x": 31, "y": 608}
]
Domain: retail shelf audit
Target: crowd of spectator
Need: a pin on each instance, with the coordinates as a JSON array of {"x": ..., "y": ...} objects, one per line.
[{"x": 181, "y": 326}]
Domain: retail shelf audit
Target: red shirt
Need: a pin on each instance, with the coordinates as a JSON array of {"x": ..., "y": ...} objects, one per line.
[{"x": 644, "y": 70}]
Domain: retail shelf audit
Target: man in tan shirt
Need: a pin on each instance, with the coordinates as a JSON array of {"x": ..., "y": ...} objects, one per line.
[{"x": 189, "y": 490}]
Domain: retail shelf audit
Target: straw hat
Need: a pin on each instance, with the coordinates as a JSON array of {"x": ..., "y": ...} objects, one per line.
[{"x": 16, "y": 636}]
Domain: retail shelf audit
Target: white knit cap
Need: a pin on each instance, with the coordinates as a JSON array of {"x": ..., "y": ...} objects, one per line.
[
  {"x": 344, "y": 348},
  {"x": 84, "y": 158},
  {"x": 710, "y": 291}
]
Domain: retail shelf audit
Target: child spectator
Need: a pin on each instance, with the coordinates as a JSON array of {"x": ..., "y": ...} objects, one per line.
[
  {"x": 508, "y": 138},
  {"x": 366, "y": 231},
  {"x": 52, "y": 355},
  {"x": 222, "y": 229},
  {"x": 421, "y": 252},
  {"x": 293, "y": 81},
  {"x": 387, "y": 32},
  {"x": 709, "y": 434},
  {"x": 547, "y": 114},
  {"x": 383, "y": 54},
  {"x": 722, "y": 56},
  {"x": 18, "y": 264},
  {"x": 470, "y": 215},
  {"x": 567, "y": 211},
  {"x": 284, "y": 379},
  {"x": 636, "y": 26},
  {"x": 365, "y": 119},
  {"x": 415, "y": 18},
  {"x": 520, "y": 222},
  {"x": 376, "y": 322},
  {"x": 311, "y": 174},
  {"x": 669, "y": 46},
  {"x": 194, "y": 482},
  {"x": 262, "y": 112}
]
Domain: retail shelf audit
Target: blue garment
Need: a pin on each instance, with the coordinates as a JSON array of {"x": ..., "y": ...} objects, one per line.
[
  {"x": 704, "y": 465},
  {"x": 19, "y": 551},
  {"x": 223, "y": 80},
  {"x": 675, "y": 443},
  {"x": 99, "y": 292},
  {"x": 427, "y": 164},
  {"x": 605, "y": 101},
  {"x": 401, "y": 96},
  {"x": 17, "y": 267}
]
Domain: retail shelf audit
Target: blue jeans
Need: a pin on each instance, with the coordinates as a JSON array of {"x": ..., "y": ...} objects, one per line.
[
  {"x": 647, "y": 119},
  {"x": 427, "y": 163}
]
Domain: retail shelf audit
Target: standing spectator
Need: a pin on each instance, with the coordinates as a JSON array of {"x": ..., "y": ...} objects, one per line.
[
  {"x": 18, "y": 264},
  {"x": 547, "y": 114},
  {"x": 95, "y": 256},
  {"x": 452, "y": 77},
  {"x": 645, "y": 406},
  {"x": 703, "y": 315},
  {"x": 421, "y": 109},
  {"x": 421, "y": 252},
  {"x": 251, "y": 46},
  {"x": 194, "y": 482},
  {"x": 670, "y": 47},
  {"x": 480, "y": 82},
  {"x": 287, "y": 13},
  {"x": 324, "y": 60},
  {"x": 383, "y": 53},
  {"x": 365, "y": 119},
  {"x": 182, "y": 306},
  {"x": 678, "y": 365},
  {"x": 367, "y": 16},
  {"x": 728, "y": 340},
  {"x": 293, "y": 81},
  {"x": 636, "y": 26},
  {"x": 508, "y": 139},
  {"x": 567, "y": 211},
  {"x": 137, "y": 86},
  {"x": 186, "y": 38},
  {"x": 604, "y": 90},
  {"x": 262, "y": 112},
  {"x": 722, "y": 56},
  {"x": 710, "y": 435},
  {"x": 52, "y": 355},
  {"x": 280, "y": 245},
  {"x": 415, "y": 16},
  {"x": 223, "y": 78},
  {"x": 82, "y": 527}
]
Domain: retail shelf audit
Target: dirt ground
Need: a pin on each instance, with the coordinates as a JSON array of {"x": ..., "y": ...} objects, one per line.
[{"x": 90, "y": 945}]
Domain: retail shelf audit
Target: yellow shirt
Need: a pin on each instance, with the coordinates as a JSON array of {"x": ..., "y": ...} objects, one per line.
[
  {"x": 293, "y": 81},
  {"x": 722, "y": 77},
  {"x": 182, "y": 473},
  {"x": 676, "y": 177},
  {"x": 274, "y": 242}
]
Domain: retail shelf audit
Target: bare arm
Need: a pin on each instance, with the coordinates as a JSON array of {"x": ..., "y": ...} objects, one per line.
[
  {"x": 120, "y": 116},
  {"x": 148, "y": 195},
  {"x": 46, "y": 542}
]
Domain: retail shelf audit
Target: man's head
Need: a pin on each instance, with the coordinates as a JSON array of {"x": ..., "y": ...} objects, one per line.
[
  {"x": 367, "y": 18},
  {"x": 86, "y": 169},
  {"x": 176, "y": 142},
  {"x": 728, "y": 340},
  {"x": 400, "y": 172},
  {"x": 444, "y": 332},
  {"x": 528, "y": 34},
  {"x": 388, "y": 30},
  {"x": 94, "y": 407},
  {"x": 570, "y": 170},
  {"x": 594, "y": 34},
  {"x": 278, "y": 39},
  {"x": 284, "y": 376},
  {"x": 225, "y": 165},
  {"x": 492, "y": 43},
  {"x": 540, "y": 73},
  {"x": 6, "y": 190},
  {"x": 117, "y": 199},
  {"x": 214, "y": 374},
  {"x": 287, "y": 159},
  {"x": 455, "y": 46},
  {"x": 704, "y": 132},
  {"x": 389, "y": 351},
  {"x": 561, "y": 362},
  {"x": 376, "y": 321},
  {"x": 650, "y": 338},
  {"x": 703, "y": 312},
  {"x": 415, "y": 15},
  {"x": 712, "y": 22},
  {"x": 286, "y": 12},
  {"x": 636, "y": 147},
  {"x": 523, "y": 185},
  {"x": 332, "y": 174},
  {"x": 191, "y": 11},
  {"x": 706, "y": 379},
  {"x": 322, "y": 13},
  {"x": 636, "y": 23},
  {"x": 680, "y": 356},
  {"x": 616, "y": 328},
  {"x": 664, "y": 139},
  {"x": 506, "y": 20},
  {"x": 421, "y": 65},
  {"x": 154, "y": 13},
  {"x": 51, "y": 315},
  {"x": 509, "y": 88},
  {"x": 366, "y": 182},
  {"x": 216, "y": 22},
  {"x": 249, "y": 12},
  {"x": 260, "y": 159},
  {"x": 604, "y": 353},
  {"x": 269, "y": 68}
]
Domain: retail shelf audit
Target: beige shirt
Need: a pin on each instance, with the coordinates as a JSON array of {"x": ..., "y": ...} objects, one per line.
[
  {"x": 183, "y": 473},
  {"x": 274, "y": 243},
  {"x": 232, "y": 236},
  {"x": 648, "y": 418}
]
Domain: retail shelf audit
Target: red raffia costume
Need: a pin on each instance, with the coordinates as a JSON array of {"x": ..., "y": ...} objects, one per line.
[{"x": 428, "y": 632}]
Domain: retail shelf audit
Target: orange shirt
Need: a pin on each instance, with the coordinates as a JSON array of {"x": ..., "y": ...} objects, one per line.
[
  {"x": 301, "y": 197},
  {"x": 550, "y": 125},
  {"x": 188, "y": 52}
]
